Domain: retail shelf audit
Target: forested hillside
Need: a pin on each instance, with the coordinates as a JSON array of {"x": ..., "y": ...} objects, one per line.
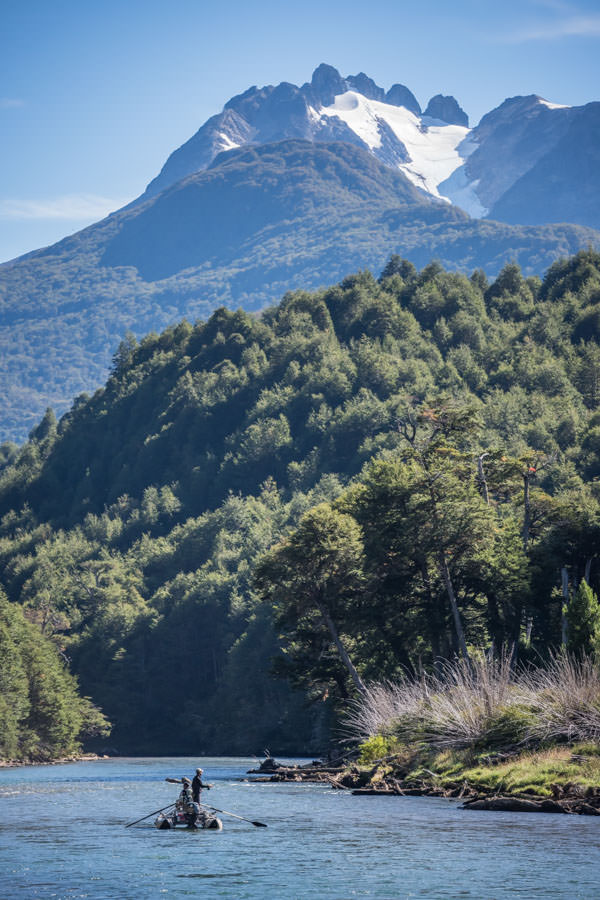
[{"x": 411, "y": 432}]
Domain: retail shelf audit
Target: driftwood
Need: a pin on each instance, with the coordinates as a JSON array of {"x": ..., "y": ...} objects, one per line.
[
  {"x": 378, "y": 792},
  {"x": 514, "y": 804},
  {"x": 297, "y": 770}
]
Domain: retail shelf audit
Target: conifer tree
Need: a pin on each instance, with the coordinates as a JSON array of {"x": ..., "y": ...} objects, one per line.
[{"x": 583, "y": 621}]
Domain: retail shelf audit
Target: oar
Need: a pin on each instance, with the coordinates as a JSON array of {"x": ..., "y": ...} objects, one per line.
[
  {"x": 156, "y": 811},
  {"x": 225, "y": 813}
]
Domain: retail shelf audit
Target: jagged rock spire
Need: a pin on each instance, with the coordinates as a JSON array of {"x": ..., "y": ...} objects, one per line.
[
  {"x": 326, "y": 82},
  {"x": 399, "y": 95},
  {"x": 446, "y": 109}
]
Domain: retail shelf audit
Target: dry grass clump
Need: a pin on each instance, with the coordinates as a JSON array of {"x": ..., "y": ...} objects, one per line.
[
  {"x": 383, "y": 706},
  {"x": 486, "y": 705},
  {"x": 564, "y": 698}
]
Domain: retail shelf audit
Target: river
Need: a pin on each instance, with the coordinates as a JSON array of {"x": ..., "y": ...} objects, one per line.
[{"x": 62, "y": 835}]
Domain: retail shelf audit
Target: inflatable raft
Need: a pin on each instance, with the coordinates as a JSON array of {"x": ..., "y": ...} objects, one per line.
[{"x": 178, "y": 817}]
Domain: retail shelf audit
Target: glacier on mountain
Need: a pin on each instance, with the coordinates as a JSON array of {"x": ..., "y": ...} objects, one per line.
[{"x": 434, "y": 149}]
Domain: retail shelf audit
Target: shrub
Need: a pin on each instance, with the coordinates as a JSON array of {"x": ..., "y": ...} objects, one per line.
[{"x": 377, "y": 747}]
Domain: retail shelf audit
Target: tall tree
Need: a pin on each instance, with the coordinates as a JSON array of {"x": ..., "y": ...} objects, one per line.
[
  {"x": 583, "y": 621},
  {"x": 317, "y": 574},
  {"x": 437, "y": 436}
]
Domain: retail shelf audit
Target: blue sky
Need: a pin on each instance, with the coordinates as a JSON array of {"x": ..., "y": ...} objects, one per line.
[{"x": 95, "y": 95}]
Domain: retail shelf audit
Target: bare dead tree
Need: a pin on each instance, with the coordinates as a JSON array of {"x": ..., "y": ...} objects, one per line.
[
  {"x": 408, "y": 430},
  {"x": 481, "y": 479}
]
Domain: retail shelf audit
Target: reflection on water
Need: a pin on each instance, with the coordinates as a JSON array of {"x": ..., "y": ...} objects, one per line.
[{"x": 62, "y": 835}]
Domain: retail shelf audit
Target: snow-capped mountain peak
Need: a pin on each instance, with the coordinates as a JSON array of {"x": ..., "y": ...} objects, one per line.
[
  {"x": 436, "y": 150},
  {"x": 553, "y": 105},
  {"x": 428, "y": 148}
]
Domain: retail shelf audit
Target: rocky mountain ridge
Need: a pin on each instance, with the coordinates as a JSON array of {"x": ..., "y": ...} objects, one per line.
[
  {"x": 477, "y": 169},
  {"x": 328, "y": 108}
]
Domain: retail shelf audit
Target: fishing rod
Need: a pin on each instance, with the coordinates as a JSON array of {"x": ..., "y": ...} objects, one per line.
[{"x": 156, "y": 811}]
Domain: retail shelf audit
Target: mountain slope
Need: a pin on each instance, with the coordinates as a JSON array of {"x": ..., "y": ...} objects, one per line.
[
  {"x": 261, "y": 221},
  {"x": 509, "y": 141},
  {"x": 563, "y": 185},
  {"x": 250, "y": 196}
]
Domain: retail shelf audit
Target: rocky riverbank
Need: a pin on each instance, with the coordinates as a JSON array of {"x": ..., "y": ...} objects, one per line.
[
  {"x": 82, "y": 757},
  {"x": 556, "y": 780}
]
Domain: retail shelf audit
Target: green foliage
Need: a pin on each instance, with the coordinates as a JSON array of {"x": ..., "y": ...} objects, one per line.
[
  {"x": 42, "y": 715},
  {"x": 376, "y": 747},
  {"x": 506, "y": 727},
  {"x": 583, "y": 621},
  {"x": 313, "y": 580},
  {"x": 336, "y": 438}
]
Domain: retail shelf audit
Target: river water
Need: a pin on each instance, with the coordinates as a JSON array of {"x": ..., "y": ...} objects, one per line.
[{"x": 62, "y": 835}]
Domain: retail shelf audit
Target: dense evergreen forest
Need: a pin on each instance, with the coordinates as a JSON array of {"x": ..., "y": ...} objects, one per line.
[{"x": 260, "y": 513}]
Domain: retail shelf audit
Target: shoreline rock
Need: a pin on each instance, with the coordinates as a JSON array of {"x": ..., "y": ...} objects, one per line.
[{"x": 271, "y": 771}]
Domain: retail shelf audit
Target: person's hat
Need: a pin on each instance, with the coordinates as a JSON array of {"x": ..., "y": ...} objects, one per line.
[{"x": 199, "y": 771}]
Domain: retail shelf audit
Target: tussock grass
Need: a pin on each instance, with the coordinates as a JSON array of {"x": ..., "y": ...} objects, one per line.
[
  {"x": 487, "y": 705},
  {"x": 564, "y": 698}
]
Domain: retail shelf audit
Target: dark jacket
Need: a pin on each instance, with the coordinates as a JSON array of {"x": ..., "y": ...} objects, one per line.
[{"x": 197, "y": 785}]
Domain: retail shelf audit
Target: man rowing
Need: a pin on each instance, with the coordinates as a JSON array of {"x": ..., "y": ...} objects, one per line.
[{"x": 185, "y": 803}]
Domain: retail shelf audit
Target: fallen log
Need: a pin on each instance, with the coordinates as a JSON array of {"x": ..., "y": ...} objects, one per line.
[
  {"x": 298, "y": 770},
  {"x": 585, "y": 809},
  {"x": 514, "y": 804},
  {"x": 377, "y": 792}
]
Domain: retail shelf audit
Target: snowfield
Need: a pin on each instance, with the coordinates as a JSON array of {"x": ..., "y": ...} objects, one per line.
[
  {"x": 437, "y": 151},
  {"x": 553, "y": 105},
  {"x": 226, "y": 142}
]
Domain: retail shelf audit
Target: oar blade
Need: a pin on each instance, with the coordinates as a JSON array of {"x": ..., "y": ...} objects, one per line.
[{"x": 235, "y": 816}]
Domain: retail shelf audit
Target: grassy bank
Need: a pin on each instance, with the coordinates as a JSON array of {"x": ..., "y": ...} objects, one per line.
[
  {"x": 483, "y": 729},
  {"x": 546, "y": 772}
]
